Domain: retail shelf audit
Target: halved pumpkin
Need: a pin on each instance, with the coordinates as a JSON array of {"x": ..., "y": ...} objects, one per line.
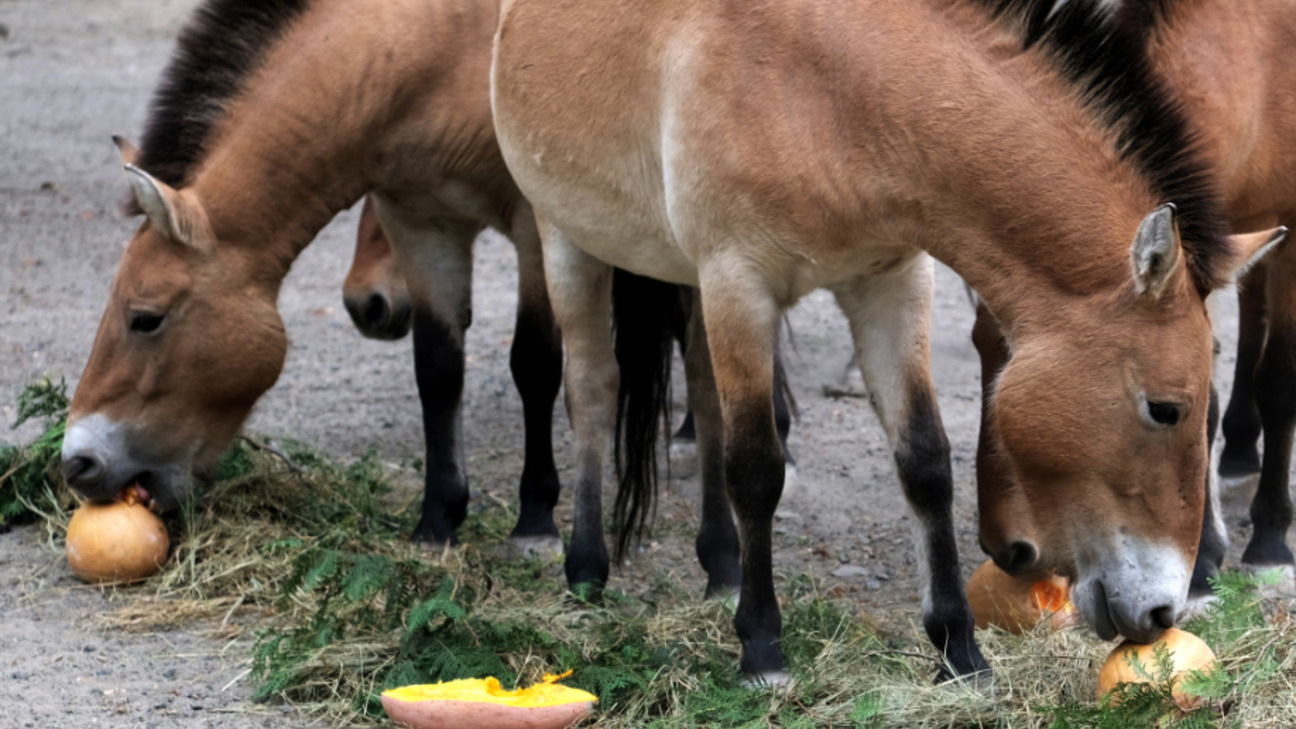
[
  {"x": 474, "y": 703},
  {"x": 1018, "y": 604}
]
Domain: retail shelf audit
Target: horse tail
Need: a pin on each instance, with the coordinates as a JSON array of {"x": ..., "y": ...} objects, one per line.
[{"x": 645, "y": 316}]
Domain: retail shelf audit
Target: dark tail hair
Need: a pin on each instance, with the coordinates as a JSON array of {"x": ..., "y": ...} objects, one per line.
[{"x": 645, "y": 314}]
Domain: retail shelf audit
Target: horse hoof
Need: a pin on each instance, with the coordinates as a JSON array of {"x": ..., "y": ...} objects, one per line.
[
  {"x": 1280, "y": 579},
  {"x": 542, "y": 546},
  {"x": 767, "y": 680}
]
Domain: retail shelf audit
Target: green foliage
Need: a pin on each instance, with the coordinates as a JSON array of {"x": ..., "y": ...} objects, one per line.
[{"x": 29, "y": 480}]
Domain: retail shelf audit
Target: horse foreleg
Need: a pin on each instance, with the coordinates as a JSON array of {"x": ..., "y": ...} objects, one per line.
[
  {"x": 536, "y": 361},
  {"x": 717, "y": 539},
  {"x": 741, "y": 318},
  {"x": 1214, "y": 538},
  {"x": 1271, "y": 510},
  {"x": 580, "y": 288},
  {"x": 890, "y": 317},
  {"x": 1240, "y": 459},
  {"x": 436, "y": 263}
]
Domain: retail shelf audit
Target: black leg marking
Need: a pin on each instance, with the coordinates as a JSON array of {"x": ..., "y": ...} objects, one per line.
[
  {"x": 536, "y": 363},
  {"x": 439, "y": 371},
  {"x": 923, "y": 460},
  {"x": 587, "y": 563},
  {"x": 754, "y": 478},
  {"x": 1240, "y": 457},
  {"x": 1210, "y": 551},
  {"x": 1271, "y": 511},
  {"x": 717, "y": 540}
]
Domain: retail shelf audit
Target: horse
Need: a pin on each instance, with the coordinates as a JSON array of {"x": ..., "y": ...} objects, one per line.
[
  {"x": 232, "y": 194},
  {"x": 377, "y": 300},
  {"x": 760, "y": 150},
  {"x": 271, "y": 118},
  {"x": 1217, "y": 61}
]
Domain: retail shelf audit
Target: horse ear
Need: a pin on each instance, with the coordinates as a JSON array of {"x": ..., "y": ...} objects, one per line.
[
  {"x": 1157, "y": 253},
  {"x": 129, "y": 152},
  {"x": 1246, "y": 249},
  {"x": 166, "y": 209}
]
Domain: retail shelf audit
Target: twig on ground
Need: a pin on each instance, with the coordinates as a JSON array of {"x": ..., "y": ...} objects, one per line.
[{"x": 292, "y": 465}]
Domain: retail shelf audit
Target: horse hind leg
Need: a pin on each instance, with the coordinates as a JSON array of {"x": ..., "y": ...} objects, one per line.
[
  {"x": 717, "y": 539},
  {"x": 580, "y": 289},
  {"x": 1240, "y": 459},
  {"x": 536, "y": 361},
  {"x": 889, "y": 318}
]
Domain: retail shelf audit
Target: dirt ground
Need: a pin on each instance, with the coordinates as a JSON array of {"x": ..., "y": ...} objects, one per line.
[{"x": 74, "y": 72}]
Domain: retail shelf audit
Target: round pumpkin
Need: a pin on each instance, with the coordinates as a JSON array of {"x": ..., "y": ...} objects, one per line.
[
  {"x": 481, "y": 702},
  {"x": 1187, "y": 653},
  {"x": 1018, "y": 604},
  {"x": 121, "y": 541}
]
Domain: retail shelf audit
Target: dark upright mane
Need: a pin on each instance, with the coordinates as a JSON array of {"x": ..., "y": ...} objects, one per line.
[
  {"x": 223, "y": 44},
  {"x": 1103, "y": 51}
]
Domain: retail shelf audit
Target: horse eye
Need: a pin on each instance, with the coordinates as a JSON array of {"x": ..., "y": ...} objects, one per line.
[
  {"x": 143, "y": 322},
  {"x": 1163, "y": 413}
]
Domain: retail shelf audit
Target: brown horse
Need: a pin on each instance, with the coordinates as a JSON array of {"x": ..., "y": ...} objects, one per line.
[
  {"x": 271, "y": 118},
  {"x": 376, "y": 297},
  {"x": 1224, "y": 64},
  {"x": 762, "y": 149}
]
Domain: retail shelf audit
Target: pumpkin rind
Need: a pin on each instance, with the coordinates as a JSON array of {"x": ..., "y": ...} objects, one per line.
[
  {"x": 1187, "y": 651},
  {"x": 1016, "y": 604},
  {"x": 117, "y": 542}
]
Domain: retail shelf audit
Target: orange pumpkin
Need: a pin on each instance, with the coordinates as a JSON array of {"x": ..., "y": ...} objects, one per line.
[
  {"x": 481, "y": 702},
  {"x": 1018, "y": 604},
  {"x": 1187, "y": 653},
  {"x": 122, "y": 541}
]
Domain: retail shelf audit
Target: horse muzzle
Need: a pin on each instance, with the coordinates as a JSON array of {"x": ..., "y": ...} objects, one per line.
[
  {"x": 1138, "y": 593},
  {"x": 98, "y": 462}
]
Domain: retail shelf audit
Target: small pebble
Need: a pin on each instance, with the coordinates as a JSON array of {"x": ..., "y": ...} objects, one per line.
[
  {"x": 169, "y": 673},
  {"x": 90, "y": 649},
  {"x": 19, "y": 676}
]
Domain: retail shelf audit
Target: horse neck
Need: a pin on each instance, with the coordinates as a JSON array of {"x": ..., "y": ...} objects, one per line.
[
  {"x": 333, "y": 113},
  {"x": 1229, "y": 65},
  {"x": 1011, "y": 181}
]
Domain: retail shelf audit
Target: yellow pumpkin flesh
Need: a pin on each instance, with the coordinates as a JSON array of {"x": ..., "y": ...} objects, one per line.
[{"x": 476, "y": 702}]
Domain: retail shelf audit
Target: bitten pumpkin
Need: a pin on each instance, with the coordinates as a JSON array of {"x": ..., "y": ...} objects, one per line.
[
  {"x": 475, "y": 703},
  {"x": 1017, "y": 604},
  {"x": 121, "y": 541},
  {"x": 1187, "y": 653}
]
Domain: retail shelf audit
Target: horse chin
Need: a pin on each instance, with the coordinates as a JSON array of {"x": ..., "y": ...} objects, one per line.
[{"x": 1090, "y": 600}]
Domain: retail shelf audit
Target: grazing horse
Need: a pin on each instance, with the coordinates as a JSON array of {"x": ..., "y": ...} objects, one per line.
[
  {"x": 1221, "y": 62},
  {"x": 374, "y": 291},
  {"x": 759, "y": 150},
  {"x": 378, "y": 302},
  {"x": 271, "y": 118}
]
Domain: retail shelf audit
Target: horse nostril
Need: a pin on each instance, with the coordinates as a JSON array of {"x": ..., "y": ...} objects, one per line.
[
  {"x": 376, "y": 309},
  {"x": 1018, "y": 557},
  {"x": 82, "y": 469},
  {"x": 1163, "y": 618}
]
